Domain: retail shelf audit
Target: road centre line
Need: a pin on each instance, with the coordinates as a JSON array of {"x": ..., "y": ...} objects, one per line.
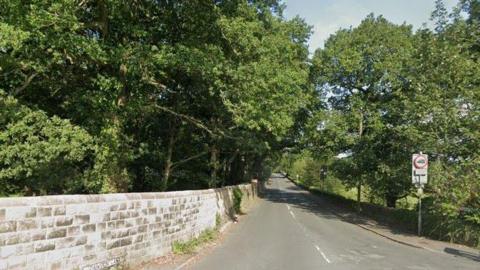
[
  {"x": 306, "y": 233},
  {"x": 323, "y": 254}
]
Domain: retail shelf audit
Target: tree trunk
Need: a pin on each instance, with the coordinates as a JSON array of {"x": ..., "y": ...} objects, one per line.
[
  {"x": 359, "y": 184},
  {"x": 214, "y": 165},
  {"x": 359, "y": 196},
  {"x": 391, "y": 200},
  {"x": 257, "y": 166},
  {"x": 168, "y": 159},
  {"x": 237, "y": 170}
]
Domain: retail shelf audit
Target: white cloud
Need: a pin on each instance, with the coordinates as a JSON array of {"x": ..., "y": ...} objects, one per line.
[
  {"x": 328, "y": 16},
  {"x": 337, "y": 16}
]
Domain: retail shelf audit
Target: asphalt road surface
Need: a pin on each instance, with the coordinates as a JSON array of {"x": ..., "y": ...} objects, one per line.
[{"x": 291, "y": 230}]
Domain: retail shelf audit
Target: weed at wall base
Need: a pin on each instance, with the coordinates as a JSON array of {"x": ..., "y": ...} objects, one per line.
[
  {"x": 191, "y": 246},
  {"x": 237, "y": 200}
]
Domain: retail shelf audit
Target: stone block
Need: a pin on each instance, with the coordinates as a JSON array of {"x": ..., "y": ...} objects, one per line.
[
  {"x": 81, "y": 240},
  {"x": 36, "y": 236},
  {"x": 129, "y": 223},
  {"x": 115, "y": 216},
  {"x": 44, "y": 211},
  {"x": 8, "y": 226},
  {"x": 124, "y": 215},
  {"x": 106, "y": 235},
  {"x": 114, "y": 207},
  {"x": 101, "y": 226},
  {"x": 47, "y": 223},
  {"x": 111, "y": 225},
  {"x": 31, "y": 213},
  {"x": 120, "y": 224},
  {"x": 89, "y": 228},
  {"x": 106, "y": 217},
  {"x": 66, "y": 242},
  {"x": 59, "y": 211},
  {"x": 57, "y": 233},
  {"x": 142, "y": 228},
  {"x": 27, "y": 224},
  {"x": 44, "y": 246},
  {"x": 64, "y": 221},
  {"x": 122, "y": 206},
  {"x": 126, "y": 241},
  {"x": 82, "y": 219},
  {"x": 74, "y": 230},
  {"x": 114, "y": 244}
]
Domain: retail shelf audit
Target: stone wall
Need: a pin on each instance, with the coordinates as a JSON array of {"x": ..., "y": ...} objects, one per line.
[{"x": 99, "y": 231}]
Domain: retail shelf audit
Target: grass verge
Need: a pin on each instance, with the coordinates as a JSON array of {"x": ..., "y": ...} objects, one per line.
[
  {"x": 191, "y": 246},
  {"x": 205, "y": 237},
  {"x": 405, "y": 220}
]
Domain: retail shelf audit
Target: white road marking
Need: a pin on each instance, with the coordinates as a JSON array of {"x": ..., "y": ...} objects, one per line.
[
  {"x": 323, "y": 254},
  {"x": 293, "y": 215},
  {"x": 288, "y": 206}
]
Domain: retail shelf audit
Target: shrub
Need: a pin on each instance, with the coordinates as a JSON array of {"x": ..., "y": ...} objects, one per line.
[{"x": 237, "y": 200}]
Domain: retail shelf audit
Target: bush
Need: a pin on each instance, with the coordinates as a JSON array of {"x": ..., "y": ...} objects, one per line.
[
  {"x": 41, "y": 154},
  {"x": 237, "y": 200}
]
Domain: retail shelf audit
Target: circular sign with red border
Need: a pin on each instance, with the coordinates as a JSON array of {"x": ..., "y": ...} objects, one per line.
[{"x": 420, "y": 162}]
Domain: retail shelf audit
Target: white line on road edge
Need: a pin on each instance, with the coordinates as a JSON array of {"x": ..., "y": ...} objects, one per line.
[
  {"x": 186, "y": 263},
  {"x": 323, "y": 254},
  {"x": 293, "y": 215},
  {"x": 288, "y": 206}
]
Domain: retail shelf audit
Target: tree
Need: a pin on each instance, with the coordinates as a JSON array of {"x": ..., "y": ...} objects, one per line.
[
  {"x": 169, "y": 94},
  {"x": 362, "y": 71}
]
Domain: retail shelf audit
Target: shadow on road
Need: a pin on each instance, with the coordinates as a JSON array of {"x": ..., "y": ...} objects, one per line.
[
  {"x": 302, "y": 199},
  {"x": 464, "y": 254}
]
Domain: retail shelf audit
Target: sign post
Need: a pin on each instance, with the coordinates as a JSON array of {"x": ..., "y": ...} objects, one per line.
[{"x": 419, "y": 179}]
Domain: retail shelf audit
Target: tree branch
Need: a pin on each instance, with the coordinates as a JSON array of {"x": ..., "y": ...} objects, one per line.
[
  {"x": 190, "y": 119},
  {"x": 176, "y": 164},
  {"x": 27, "y": 82}
]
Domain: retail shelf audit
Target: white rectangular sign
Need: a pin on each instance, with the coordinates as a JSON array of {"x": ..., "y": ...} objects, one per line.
[{"x": 419, "y": 169}]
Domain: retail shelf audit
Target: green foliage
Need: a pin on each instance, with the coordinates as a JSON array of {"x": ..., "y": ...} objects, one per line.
[
  {"x": 386, "y": 92},
  {"x": 35, "y": 146},
  {"x": 173, "y": 95},
  {"x": 237, "y": 200},
  {"x": 191, "y": 246},
  {"x": 363, "y": 70},
  {"x": 218, "y": 221}
]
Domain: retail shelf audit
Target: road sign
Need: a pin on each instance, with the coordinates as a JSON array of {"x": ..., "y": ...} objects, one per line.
[
  {"x": 419, "y": 169},
  {"x": 419, "y": 178}
]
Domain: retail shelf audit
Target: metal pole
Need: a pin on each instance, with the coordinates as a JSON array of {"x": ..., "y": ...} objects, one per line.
[{"x": 420, "y": 191}]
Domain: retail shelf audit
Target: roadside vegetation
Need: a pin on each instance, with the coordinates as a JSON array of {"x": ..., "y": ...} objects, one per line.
[
  {"x": 205, "y": 237},
  {"x": 386, "y": 92},
  {"x": 110, "y": 96},
  {"x": 191, "y": 246}
]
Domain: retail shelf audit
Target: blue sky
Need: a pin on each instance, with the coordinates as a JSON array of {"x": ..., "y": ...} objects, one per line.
[{"x": 327, "y": 16}]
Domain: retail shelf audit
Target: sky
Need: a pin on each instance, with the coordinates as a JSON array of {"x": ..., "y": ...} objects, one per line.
[{"x": 327, "y": 16}]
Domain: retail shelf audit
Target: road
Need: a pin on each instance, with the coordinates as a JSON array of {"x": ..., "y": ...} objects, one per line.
[{"x": 292, "y": 230}]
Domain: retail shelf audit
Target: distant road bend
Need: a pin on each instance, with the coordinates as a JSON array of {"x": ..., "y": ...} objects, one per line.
[{"x": 291, "y": 230}]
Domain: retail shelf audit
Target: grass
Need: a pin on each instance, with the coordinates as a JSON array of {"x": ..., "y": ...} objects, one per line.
[
  {"x": 206, "y": 236},
  {"x": 191, "y": 246},
  {"x": 209, "y": 235}
]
